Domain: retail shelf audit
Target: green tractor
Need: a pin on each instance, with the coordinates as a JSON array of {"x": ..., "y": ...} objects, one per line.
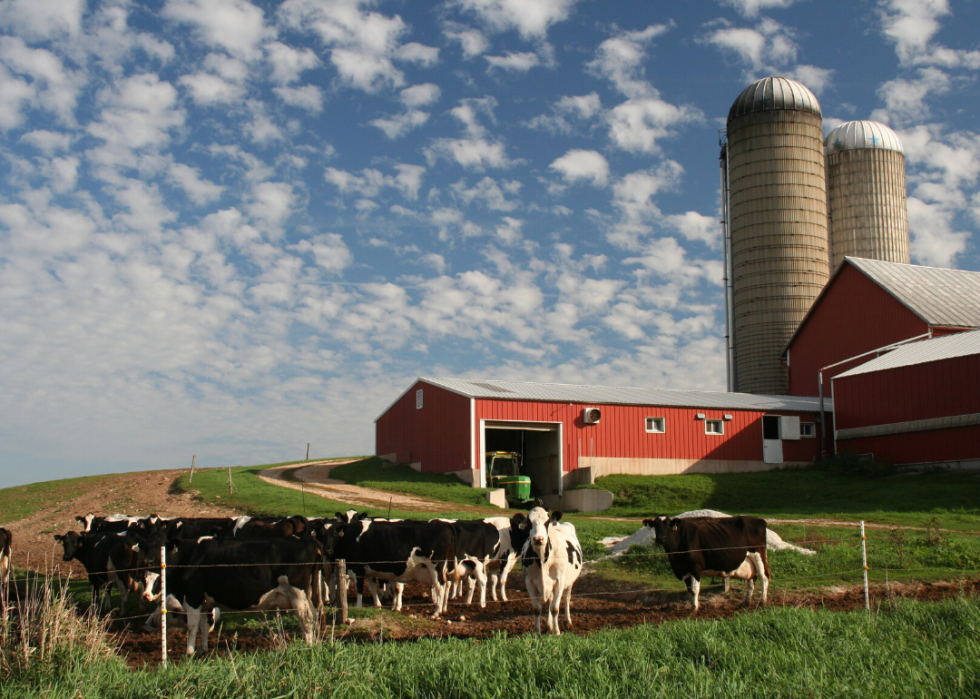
[{"x": 504, "y": 471}]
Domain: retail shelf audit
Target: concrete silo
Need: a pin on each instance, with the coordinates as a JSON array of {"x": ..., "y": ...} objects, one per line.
[
  {"x": 775, "y": 201},
  {"x": 866, "y": 193}
]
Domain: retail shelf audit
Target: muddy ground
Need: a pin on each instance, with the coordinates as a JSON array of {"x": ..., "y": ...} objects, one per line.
[{"x": 596, "y": 604}]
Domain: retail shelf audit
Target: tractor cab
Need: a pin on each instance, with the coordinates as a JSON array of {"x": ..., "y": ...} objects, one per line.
[{"x": 504, "y": 471}]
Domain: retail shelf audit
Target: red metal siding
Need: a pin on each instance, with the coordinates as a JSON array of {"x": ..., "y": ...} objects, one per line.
[
  {"x": 622, "y": 431},
  {"x": 937, "y": 389},
  {"x": 957, "y": 444},
  {"x": 437, "y": 435},
  {"x": 855, "y": 315}
]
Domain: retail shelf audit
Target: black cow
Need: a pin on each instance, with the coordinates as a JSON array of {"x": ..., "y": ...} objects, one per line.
[
  {"x": 196, "y": 527},
  {"x": 247, "y": 527},
  {"x": 252, "y": 574},
  {"x": 125, "y": 566},
  {"x": 399, "y": 552},
  {"x": 724, "y": 547},
  {"x": 92, "y": 549}
]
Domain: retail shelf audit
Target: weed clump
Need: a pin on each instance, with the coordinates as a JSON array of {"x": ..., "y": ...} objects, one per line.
[{"x": 860, "y": 465}]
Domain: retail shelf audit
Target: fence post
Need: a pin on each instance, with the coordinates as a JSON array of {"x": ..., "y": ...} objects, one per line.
[
  {"x": 864, "y": 563},
  {"x": 163, "y": 605},
  {"x": 231, "y": 487},
  {"x": 193, "y": 462},
  {"x": 307, "y": 451},
  {"x": 342, "y": 588}
]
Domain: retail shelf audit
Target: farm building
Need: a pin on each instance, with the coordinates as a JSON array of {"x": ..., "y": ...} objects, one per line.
[
  {"x": 919, "y": 404},
  {"x": 870, "y": 304},
  {"x": 447, "y": 425}
]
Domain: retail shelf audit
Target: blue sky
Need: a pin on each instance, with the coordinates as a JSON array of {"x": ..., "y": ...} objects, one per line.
[{"x": 230, "y": 228}]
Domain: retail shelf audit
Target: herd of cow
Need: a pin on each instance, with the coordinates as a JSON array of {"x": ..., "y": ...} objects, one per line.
[{"x": 291, "y": 563}]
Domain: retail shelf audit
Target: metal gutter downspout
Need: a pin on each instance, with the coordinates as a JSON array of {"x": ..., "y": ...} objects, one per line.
[
  {"x": 728, "y": 274},
  {"x": 878, "y": 351}
]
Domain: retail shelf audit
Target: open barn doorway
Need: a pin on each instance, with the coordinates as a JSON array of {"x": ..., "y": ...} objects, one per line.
[{"x": 539, "y": 447}]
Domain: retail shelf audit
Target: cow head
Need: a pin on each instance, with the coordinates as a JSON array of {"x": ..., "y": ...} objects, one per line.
[
  {"x": 539, "y": 521},
  {"x": 73, "y": 543},
  {"x": 664, "y": 528}
]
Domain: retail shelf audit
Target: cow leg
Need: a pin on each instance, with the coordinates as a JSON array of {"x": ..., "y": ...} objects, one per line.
[
  {"x": 194, "y": 619},
  {"x": 508, "y": 566},
  {"x": 352, "y": 579},
  {"x": 533, "y": 593},
  {"x": 693, "y": 589},
  {"x": 554, "y": 608},
  {"x": 568, "y": 606},
  {"x": 399, "y": 593},
  {"x": 373, "y": 589},
  {"x": 728, "y": 583},
  {"x": 481, "y": 581}
]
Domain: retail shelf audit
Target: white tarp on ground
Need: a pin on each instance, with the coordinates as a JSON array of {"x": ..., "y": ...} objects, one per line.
[{"x": 646, "y": 537}]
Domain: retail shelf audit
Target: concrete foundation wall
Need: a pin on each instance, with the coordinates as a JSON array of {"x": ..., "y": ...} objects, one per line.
[{"x": 607, "y": 466}]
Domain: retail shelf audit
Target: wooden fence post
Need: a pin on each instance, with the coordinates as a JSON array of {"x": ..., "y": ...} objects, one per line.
[
  {"x": 864, "y": 563},
  {"x": 193, "y": 462},
  {"x": 342, "y": 588},
  {"x": 231, "y": 487},
  {"x": 307, "y": 451}
]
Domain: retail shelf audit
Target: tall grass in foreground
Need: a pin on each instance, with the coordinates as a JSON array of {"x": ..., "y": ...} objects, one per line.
[
  {"x": 905, "y": 649},
  {"x": 43, "y": 636}
]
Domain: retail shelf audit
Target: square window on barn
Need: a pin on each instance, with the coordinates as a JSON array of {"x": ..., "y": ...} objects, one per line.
[
  {"x": 808, "y": 429},
  {"x": 418, "y": 399},
  {"x": 714, "y": 427},
  {"x": 656, "y": 425}
]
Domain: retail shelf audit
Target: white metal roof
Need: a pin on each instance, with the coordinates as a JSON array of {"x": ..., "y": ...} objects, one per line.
[
  {"x": 608, "y": 395},
  {"x": 774, "y": 93},
  {"x": 943, "y": 297},
  {"x": 961, "y": 344},
  {"x": 855, "y": 135}
]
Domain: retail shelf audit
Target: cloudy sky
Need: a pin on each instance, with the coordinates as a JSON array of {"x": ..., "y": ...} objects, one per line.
[{"x": 231, "y": 228}]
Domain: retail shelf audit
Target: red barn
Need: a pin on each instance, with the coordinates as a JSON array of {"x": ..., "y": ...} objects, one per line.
[
  {"x": 445, "y": 425},
  {"x": 869, "y": 304},
  {"x": 919, "y": 404}
]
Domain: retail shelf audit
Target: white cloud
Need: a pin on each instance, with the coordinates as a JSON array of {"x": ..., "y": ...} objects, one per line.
[
  {"x": 934, "y": 240},
  {"x": 577, "y": 165},
  {"x": 361, "y": 44},
  {"x": 289, "y": 63},
  {"x": 582, "y": 107},
  {"x": 43, "y": 19},
  {"x": 307, "y": 97},
  {"x": 398, "y": 125},
  {"x": 751, "y": 8},
  {"x": 237, "y": 26},
  {"x": 620, "y": 60},
  {"x": 329, "y": 250},
  {"x": 770, "y": 48},
  {"x": 509, "y": 232},
  {"x": 370, "y": 182},
  {"x": 905, "y": 99},
  {"x": 911, "y": 25},
  {"x": 695, "y": 226},
  {"x": 639, "y": 124},
  {"x": 489, "y": 192},
  {"x": 471, "y": 41},
  {"x": 529, "y": 19},
  {"x": 420, "y": 95},
  {"x": 633, "y": 200},
  {"x": 475, "y": 154},
  {"x": 52, "y": 87},
  {"x": 138, "y": 112},
  {"x": 514, "y": 62},
  {"x": 207, "y": 89},
  {"x": 198, "y": 190},
  {"x": 414, "y": 52},
  {"x": 271, "y": 204}
]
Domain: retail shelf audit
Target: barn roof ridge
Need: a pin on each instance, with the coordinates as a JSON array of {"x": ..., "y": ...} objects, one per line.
[
  {"x": 622, "y": 395},
  {"x": 962, "y": 344},
  {"x": 928, "y": 292}
]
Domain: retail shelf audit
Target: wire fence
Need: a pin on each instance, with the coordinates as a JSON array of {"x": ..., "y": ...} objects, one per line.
[{"x": 341, "y": 580}]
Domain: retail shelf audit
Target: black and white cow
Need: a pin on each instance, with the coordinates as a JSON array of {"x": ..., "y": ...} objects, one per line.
[
  {"x": 552, "y": 560},
  {"x": 399, "y": 552},
  {"x": 92, "y": 549},
  {"x": 191, "y": 528},
  {"x": 238, "y": 574},
  {"x": 6, "y": 538},
  {"x": 108, "y": 523},
  {"x": 723, "y": 547},
  {"x": 270, "y": 526},
  {"x": 125, "y": 567}
]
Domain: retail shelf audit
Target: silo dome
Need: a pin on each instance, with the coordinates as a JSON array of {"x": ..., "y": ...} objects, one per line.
[
  {"x": 866, "y": 193},
  {"x": 774, "y": 93},
  {"x": 776, "y": 210},
  {"x": 862, "y": 134}
]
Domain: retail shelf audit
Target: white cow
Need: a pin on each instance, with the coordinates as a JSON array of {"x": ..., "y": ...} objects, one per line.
[{"x": 552, "y": 560}]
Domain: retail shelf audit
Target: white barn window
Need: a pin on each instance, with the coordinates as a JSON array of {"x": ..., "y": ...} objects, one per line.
[
  {"x": 656, "y": 425},
  {"x": 808, "y": 429},
  {"x": 714, "y": 427}
]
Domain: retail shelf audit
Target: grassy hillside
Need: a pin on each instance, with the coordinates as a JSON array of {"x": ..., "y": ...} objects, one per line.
[
  {"x": 372, "y": 472},
  {"x": 952, "y": 498}
]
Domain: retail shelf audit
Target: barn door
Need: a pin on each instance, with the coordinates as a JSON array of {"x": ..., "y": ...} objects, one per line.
[{"x": 772, "y": 445}]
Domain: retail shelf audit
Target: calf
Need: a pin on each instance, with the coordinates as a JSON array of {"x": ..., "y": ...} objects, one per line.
[
  {"x": 399, "y": 552},
  {"x": 92, "y": 551},
  {"x": 552, "y": 560},
  {"x": 725, "y": 547},
  {"x": 5, "y": 540},
  {"x": 249, "y": 574}
]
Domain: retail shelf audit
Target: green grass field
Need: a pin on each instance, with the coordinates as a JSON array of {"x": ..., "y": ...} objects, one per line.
[
  {"x": 372, "y": 472},
  {"x": 901, "y": 649}
]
